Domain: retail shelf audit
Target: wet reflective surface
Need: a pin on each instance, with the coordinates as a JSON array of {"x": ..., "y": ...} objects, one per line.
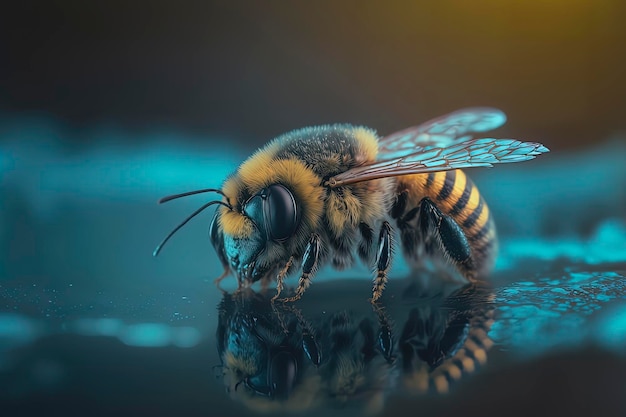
[
  {"x": 332, "y": 352},
  {"x": 299, "y": 357}
]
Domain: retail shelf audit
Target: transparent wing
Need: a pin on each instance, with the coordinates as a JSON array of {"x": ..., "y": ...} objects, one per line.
[
  {"x": 473, "y": 153},
  {"x": 441, "y": 132}
]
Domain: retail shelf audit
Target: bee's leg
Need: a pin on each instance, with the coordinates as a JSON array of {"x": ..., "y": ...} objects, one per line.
[
  {"x": 383, "y": 261},
  {"x": 281, "y": 318},
  {"x": 217, "y": 281},
  {"x": 449, "y": 234},
  {"x": 309, "y": 341},
  {"x": 399, "y": 205},
  {"x": 385, "y": 333},
  {"x": 280, "y": 278},
  {"x": 366, "y": 244},
  {"x": 309, "y": 265},
  {"x": 265, "y": 283},
  {"x": 311, "y": 346},
  {"x": 241, "y": 286}
]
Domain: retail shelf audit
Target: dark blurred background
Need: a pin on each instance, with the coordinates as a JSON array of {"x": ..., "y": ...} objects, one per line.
[
  {"x": 254, "y": 69},
  {"x": 106, "y": 106}
]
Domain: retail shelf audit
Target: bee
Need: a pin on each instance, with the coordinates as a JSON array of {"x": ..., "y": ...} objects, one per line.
[{"x": 328, "y": 194}]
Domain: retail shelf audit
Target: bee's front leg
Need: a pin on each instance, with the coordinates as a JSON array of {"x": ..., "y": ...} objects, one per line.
[
  {"x": 281, "y": 278},
  {"x": 383, "y": 261},
  {"x": 309, "y": 266},
  {"x": 218, "y": 281}
]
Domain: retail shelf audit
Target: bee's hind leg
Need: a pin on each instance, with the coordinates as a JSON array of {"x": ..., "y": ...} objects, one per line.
[
  {"x": 448, "y": 234},
  {"x": 383, "y": 261},
  {"x": 309, "y": 265}
]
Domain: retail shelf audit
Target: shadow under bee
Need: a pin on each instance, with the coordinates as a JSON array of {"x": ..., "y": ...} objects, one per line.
[{"x": 345, "y": 352}]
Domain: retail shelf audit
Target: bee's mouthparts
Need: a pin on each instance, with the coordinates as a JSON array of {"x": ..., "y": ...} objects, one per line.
[{"x": 246, "y": 272}]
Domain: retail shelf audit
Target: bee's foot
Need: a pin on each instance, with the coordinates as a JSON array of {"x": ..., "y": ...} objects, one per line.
[
  {"x": 374, "y": 301},
  {"x": 290, "y": 299},
  {"x": 240, "y": 289}
]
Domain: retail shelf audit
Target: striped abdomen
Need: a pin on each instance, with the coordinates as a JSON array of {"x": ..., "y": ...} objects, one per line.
[{"x": 455, "y": 195}]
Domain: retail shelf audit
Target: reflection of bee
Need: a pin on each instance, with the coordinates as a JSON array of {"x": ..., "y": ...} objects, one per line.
[
  {"x": 325, "y": 194},
  {"x": 268, "y": 357},
  {"x": 273, "y": 359},
  {"x": 358, "y": 371}
]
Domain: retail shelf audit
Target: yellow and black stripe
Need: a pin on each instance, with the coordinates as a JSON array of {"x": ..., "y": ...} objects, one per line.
[{"x": 456, "y": 196}]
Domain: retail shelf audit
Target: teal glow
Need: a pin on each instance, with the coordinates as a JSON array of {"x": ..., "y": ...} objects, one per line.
[
  {"x": 147, "y": 335},
  {"x": 15, "y": 328},
  {"x": 556, "y": 193},
  {"x": 121, "y": 167},
  {"x": 101, "y": 198},
  {"x": 139, "y": 334},
  {"x": 551, "y": 312},
  {"x": 607, "y": 245},
  {"x": 7, "y": 162},
  {"x": 185, "y": 337},
  {"x": 610, "y": 331},
  {"x": 99, "y": 327}
]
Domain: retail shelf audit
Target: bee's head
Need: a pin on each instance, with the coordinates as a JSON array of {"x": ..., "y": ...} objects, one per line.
[
  {"x": 268, "y": 218},
  {"x": 270, "y": 207}
]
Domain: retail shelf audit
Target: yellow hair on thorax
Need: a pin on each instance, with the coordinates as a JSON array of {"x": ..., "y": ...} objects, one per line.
[
  {"x": 259, "y": 161},
  {"x": 343, "y": 211},
  {"x": 351, "y": 205},
  {"x": 367, "y": 142}
]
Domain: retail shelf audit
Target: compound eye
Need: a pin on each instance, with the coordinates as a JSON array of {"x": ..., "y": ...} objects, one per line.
[
  {"x": 281, "y": 214},
  {"x": 282, "y": 376},
  {"x": 214, "y": 231}
]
